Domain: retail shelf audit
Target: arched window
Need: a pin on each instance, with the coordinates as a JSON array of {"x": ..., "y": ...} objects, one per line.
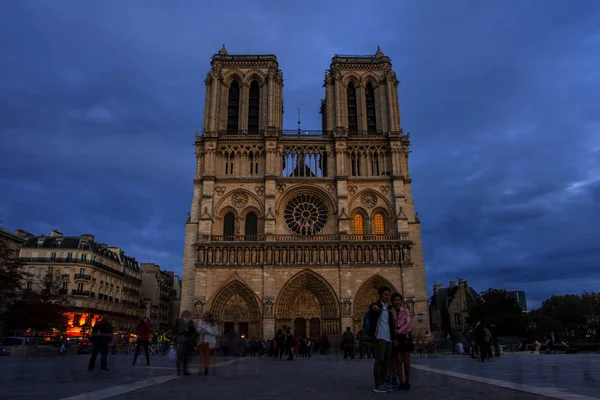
[
  {"x": 229, "y": 163},
  {"x": 370, "y": 102},
  {"x": 233, "y": 107},
  {"x": 229, "y": 226},
  {"x": 352, "y": 114},
  {"x": 378, "y": 224},
  {"x": 359, "y": 225},
  {"x": 253, "y": 107},
  {"x": 251, "y": 226}
]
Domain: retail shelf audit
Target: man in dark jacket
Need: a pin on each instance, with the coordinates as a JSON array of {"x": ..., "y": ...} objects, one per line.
[
  {"x": 102, "y": 334},
  {"x": 185, "y": 334},
  {"x": 382, "y": 328},
  {"x": 348, "y": 343}
]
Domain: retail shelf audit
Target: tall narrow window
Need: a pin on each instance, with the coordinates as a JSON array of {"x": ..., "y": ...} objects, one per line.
[
  {"x": 229, "y": 163},
  {"x": 378, "y": 224},
  {"x": 251, "y": 226},
  {"x": 253, "y": 107},
  {"x": 370, "y": 102},
  {"x": 359, "y": 226},
  {"x": 229, "y": 226},
  {"x": 233, "y": 107},
  {"x": 352, "y": 115}
]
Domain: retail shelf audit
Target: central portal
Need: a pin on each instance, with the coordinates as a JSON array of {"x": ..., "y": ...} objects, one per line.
[{"x": 308, "y": 305}]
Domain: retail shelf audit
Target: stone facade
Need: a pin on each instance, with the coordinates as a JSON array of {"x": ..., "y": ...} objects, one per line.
[
  {"x": 159, "y": 294},
  {"x": 98, "y": 279},
  {"x": 449, "y": 307},
  {"x": 300, "y": 228}
]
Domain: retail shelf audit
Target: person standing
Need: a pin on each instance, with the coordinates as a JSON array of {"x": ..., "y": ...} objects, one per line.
[
  {"x": 486, "y": 347},
  {"x": 381, "y": 326},
  {"x": 143, "y": 339},
  {"x": 290, "y": 344},
  {"x": 102, "y": 334},
  {"x": 185, "y": 336},
  {"x": 403, "y": 341},
  {"x": 348, "y": 344},
  {"x": 208, "y": 331}
]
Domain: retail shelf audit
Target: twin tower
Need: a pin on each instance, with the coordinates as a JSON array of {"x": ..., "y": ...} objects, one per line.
[{"x": 301, "y": 228}]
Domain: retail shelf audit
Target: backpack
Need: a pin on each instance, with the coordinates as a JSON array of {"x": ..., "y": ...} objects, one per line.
[{"x": 367, "y": 322}]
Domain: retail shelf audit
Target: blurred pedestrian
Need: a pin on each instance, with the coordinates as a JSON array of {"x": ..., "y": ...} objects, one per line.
[
  {"x": 102, "y": 334},
  {"x": 208, "y": 331},
  {"x": 143, "y": 339},
  {"x": 185, "y": 336}
]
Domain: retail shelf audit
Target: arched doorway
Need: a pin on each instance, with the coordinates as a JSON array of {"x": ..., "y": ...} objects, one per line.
[
  {"x": 235, "y": 308},
  {"x": 308, "y": 304},
  {"x": 366, "y": 294}
]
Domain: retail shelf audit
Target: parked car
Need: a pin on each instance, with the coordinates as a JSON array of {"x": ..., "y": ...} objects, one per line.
[{"x": 7, "y": 345}]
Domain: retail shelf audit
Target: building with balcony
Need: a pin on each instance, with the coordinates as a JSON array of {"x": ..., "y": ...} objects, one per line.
[
  {"x": 158, "y": 292},
  {"x": 99, "y": 279},
  {"x": 301, "y": 228}
]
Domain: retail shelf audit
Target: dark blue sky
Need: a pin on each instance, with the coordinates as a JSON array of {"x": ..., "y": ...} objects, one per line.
[{"x": 99, "y": 102}]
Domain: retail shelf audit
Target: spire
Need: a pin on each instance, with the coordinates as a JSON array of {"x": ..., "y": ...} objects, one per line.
[
  {"x": 223, "y": 51},
  {"x": 379, "y": 53}
]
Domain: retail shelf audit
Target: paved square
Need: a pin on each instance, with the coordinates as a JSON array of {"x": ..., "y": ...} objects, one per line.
[{"x": 573, "y": 377}]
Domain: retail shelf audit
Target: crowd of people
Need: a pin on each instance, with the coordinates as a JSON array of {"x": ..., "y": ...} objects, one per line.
[{"x": 386, "y": 336}]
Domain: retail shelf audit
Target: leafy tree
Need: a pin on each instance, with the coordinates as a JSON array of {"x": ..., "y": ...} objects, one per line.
[
  {"x": 497, "y": 307},
  {"x": 11, "y": 278},
  {"x": 570, "y": 309},
  {"x": 43, "y": 306}
]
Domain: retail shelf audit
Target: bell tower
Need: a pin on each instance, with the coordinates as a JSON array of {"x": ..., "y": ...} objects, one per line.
[{"x": 243, "y": 94}]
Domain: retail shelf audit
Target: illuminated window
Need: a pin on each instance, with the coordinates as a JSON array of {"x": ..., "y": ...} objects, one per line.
[
  {"x": 378, "y": 224},
  {"x": 359, "y": 226}
]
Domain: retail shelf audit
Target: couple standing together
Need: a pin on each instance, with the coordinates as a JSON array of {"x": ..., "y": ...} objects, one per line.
[
  {"x": 389, "y": 323},
  {"x": 187, "y": 335}
]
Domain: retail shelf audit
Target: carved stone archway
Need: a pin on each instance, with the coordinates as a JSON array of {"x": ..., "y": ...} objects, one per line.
[
  {"x": 366, "y": 294},
  {"x": 235, "y": 306},
  {"x": 308, "y": 296}
]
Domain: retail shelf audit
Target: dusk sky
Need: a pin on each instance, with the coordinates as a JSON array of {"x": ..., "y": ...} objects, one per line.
[{"x": 99, "y": 102}]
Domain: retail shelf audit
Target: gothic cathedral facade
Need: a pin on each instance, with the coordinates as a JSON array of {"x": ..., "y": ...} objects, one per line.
[{"x": 301, "y": 228}]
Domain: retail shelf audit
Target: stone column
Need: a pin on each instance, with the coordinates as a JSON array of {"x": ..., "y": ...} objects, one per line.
[
  {"x": 330, "y": 103},
  {"x": 215, "y": 86},
  {"x": 244, "y": 98}
]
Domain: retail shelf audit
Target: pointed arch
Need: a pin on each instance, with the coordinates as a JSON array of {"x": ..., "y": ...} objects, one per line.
[
  {"x": 308, "y": 295},
  {"x": 367, "y": 294},
  {"x": 236, "y": 304}
]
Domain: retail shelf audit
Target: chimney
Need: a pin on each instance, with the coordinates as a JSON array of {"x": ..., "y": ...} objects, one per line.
[
  {"x": 56, "y": 233},
  {"x": 437, "y": 287},
  {"x": 88, "y": 236},
  {"x": 452, "y": 284},
  {"x": 23, "y": 234},
  {"x": 462, "y": 282}
]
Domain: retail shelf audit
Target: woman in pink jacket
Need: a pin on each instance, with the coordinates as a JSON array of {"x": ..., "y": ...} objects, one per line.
[{"x": 403, "y": 342}]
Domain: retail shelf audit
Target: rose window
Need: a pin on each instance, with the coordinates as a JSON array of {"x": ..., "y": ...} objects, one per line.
[{"x": 306, "y": 214}]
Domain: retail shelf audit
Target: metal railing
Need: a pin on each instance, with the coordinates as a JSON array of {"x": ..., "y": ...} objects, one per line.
[
  {"x": 76, "y": 292},
  {"x": 83, "y": 277}
]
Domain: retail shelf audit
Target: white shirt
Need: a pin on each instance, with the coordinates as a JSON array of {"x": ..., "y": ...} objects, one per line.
[{"x": 383, "y": 325}]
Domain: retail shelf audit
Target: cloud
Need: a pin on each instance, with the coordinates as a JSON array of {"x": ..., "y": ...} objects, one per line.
[{"x": 99, "y": 103}]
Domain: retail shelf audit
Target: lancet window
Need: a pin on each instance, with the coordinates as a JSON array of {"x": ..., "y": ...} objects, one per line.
[
  {"x": 369, "y": 161},
  {"x": 233, "y": 107},
  {"x": 240, "y": 161},
  {"x": 370, "y": 103},
  {"x": 352, "y": 113},
  {"x": 304, "y": 161},
  {"x": 253, "y": 107}
]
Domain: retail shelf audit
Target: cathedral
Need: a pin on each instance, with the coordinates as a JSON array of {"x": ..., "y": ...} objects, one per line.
[{"x": 300, "y": 228}]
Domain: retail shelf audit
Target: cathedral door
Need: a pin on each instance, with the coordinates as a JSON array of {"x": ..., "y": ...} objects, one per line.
[
  {"x": 243, "y": 329},
  {"x": 299, "y": 327},
  {"x": 315, "y": 328}
]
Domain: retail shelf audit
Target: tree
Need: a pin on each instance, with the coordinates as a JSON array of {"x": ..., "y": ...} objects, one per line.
[
  {"x": 43, "y": 306},
  {"x": 578, "y": 313},
  {"x": 11, "y": 278},
  {"x": 498, "y": 308}
]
